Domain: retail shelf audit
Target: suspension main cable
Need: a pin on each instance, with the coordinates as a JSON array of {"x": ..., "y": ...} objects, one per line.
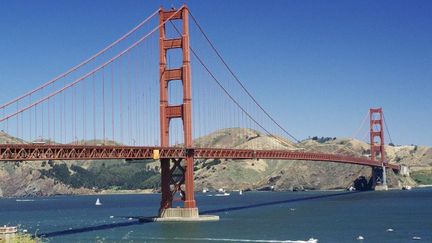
[
  {"x": 345, "y": 147},
  {"x": 361, "y": 125},
  {"x": 387, "y": 129},
  {"x": 238, "y": 80},
  {"x": 93, "y": 71},
  {"x": 82, "y": 63},
  {"x": 226, "y": 91}
]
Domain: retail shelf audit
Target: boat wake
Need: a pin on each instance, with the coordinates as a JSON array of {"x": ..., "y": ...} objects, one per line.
[
  {"x": 311, "y": 240},
  {"x": 24, "y": 200}
]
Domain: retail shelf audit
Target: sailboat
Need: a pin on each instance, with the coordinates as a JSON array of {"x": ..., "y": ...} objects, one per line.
[{"x": 98, "y": 203}]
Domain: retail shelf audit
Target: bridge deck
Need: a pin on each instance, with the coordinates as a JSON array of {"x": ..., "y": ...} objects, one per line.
[{"x": 31, "y": 152}]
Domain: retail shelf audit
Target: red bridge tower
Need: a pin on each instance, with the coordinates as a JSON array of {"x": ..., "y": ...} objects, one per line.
[
  {"x": 177, "y": 177},
  {"x": 377, "y": 148}
]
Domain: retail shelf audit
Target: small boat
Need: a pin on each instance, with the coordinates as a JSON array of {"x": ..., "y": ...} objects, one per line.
[
  {"x": 240, "y": 192},
  {"x": 98, "y": 202},
  {"x": 390, "y": 230},
  {"x": 204, "y": 190},
  {"x": 360, "y": 237},
  {"x": 416, "y": 238},
  {"x": 406, "y": 188},
  {"x": 222, "y": 194}
]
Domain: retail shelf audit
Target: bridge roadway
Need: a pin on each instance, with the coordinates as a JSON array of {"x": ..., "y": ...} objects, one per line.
[{"x": 32, "y": 152}]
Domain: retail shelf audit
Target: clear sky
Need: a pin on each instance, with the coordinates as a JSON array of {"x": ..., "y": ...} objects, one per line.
[{"x": 317, "y": 66}]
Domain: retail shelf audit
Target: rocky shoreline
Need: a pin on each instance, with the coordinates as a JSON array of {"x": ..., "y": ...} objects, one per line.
[{"x": 150, "y": 191}]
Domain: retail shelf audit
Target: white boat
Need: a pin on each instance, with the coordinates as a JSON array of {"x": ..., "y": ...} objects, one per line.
[
  {"x": 98, "y": 203},
  {"x": 204, "y": 190},
  {"x": 222, "y": 194},
  {"x": 360, "y": 237},
  {"x": 240, "y": 192},
  {"x": 416, "y": 238},
  {"x": 406, "y": 188}
]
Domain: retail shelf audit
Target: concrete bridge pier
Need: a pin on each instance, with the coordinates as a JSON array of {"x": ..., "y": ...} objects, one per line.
[{"x": 378, "y": 180}]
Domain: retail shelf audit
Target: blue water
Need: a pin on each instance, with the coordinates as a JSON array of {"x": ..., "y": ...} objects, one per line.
[{"x": 251, "y": 217}]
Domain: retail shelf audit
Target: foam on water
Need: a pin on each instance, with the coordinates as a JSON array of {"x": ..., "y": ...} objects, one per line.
[
  {"x": 311, "y": 240},
  {"x": 24, "y": 200}
]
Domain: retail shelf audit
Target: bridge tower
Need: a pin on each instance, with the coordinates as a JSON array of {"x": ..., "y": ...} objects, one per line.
[
  {"x": 177, "y": 174},
  {"x": 378, "y": 179}
]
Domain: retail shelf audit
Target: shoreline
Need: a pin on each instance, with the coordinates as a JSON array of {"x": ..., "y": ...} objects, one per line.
[
  {"x": 152, "y": 191},
  {"x": 422, "y": 186}
]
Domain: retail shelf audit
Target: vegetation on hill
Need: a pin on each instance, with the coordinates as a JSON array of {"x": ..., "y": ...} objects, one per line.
[
  {"x": 423, "y": 177},
  {"x": 322, "y": 139},
  {"x": 43, "y": 178},
  {"x": 122, "y": 176}
]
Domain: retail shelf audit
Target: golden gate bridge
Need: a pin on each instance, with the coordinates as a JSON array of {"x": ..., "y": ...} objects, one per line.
[{"x": 133, "y": 100}]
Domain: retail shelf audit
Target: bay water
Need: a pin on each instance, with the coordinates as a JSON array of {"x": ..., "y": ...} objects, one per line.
[{"x": 313, "y": 216}]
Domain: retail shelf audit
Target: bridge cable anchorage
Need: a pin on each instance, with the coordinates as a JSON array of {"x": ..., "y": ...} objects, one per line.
[
  {"x": 239, "y": 81},
  {"x": 120, "y": 54},
  {"x": 82, "y": 63},
  {"x": 228, "y": 94}
]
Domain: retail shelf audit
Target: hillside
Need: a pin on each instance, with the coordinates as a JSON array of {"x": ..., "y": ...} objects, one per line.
[
  {"x": 78, "y": 177},
  {"x": 299, "y": 175},
  {"x": 45, "y": 178}
]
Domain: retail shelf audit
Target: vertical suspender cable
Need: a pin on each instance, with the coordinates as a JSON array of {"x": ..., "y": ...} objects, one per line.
[
  {"x": 103, "y": 104},
  {"x": 128, "y": 99},
  {"x": 49, "y": 122},
  {"x": 387, "y": 129},
  {"x": 94, "y": 110},
  {"x": 112, "y": 102},
  {"x": 54, "y": 120},
  {"x": 121, "y": 101},
  {"x": 30, "y": 120},
  {"x": 84, "y": 137},
  {"x": 238, "y": 80},
  {"x": 28, "y": 94}
]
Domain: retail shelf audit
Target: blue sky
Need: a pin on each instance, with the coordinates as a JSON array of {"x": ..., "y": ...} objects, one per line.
[{"x": 317, "y": 66}]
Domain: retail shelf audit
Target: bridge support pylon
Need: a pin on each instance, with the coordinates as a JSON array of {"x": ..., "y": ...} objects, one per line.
[
  {"x": 177, "y": 175},
  {"x": 378, "y": 179}
]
